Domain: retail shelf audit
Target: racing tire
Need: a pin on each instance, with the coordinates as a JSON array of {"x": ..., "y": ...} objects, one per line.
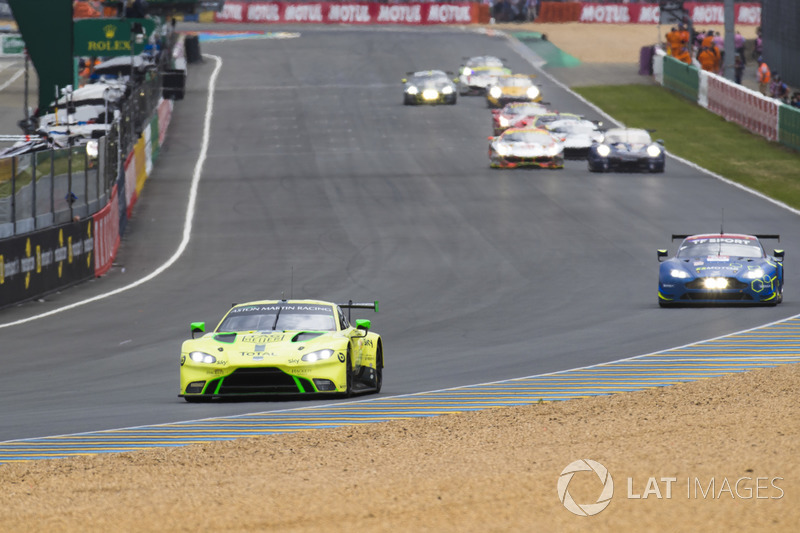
[
  {"x": 658, "y": 170},
  {"x": 379, "y": 369},
  {"x": 453, "y": 101},
  {"x": 349, "y": 375},
  {"x": 407, "y": 100}
]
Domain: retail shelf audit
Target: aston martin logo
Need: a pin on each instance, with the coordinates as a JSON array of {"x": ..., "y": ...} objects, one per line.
[{"x": 110, "y": 30}]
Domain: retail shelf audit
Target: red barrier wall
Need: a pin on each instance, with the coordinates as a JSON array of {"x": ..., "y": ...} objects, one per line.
[
  {"x": 747, "y": 13},
  {"x": 347, "y": 13},
  {"x": 746, "y": 108},
  {"x": 106, "y": 235}
]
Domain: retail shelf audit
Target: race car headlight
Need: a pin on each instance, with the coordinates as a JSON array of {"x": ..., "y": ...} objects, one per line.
[
  {"x": 496, "y": 92},
  {"x": 532, "y": 92},
  {"x": 603, "y": 150},
  {"x": 754, "y": 274},
  {"x": 317, "y": 356},
  {"x": 504, "y": 122},
  {"x": 447, "y": 90},
  {"x": 412, "y": 90},
  {"x": 430, "y": 94},
  {"x": 715, "y": 283},
  {"x": 467, "y": 71},
  {"x": 502, "y": 149},
  {"x": 680, "y": 274},
  {"x": 653, "y": 150},
  {"x": 202, "y": 357}
]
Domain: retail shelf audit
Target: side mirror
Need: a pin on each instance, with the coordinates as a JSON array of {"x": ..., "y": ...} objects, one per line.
[
  {"x": 364, "y": 324},
  {"x": 404, "y": 80},
  {"x": 490, "y": 138},
  {"x": 198, "y": 327},
  {"x": 660, "y": 141},
  {"x": 662, "y": 254},
  {"x": 778, "y": 255}
]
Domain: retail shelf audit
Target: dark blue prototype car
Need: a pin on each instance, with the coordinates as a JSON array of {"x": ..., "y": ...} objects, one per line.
[
  {"x": 626, "y": 149},
  {"x": 722, "y": 268}
]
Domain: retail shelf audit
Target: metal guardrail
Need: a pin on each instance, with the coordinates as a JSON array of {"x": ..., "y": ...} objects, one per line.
[{"x": 58, "y": 185}]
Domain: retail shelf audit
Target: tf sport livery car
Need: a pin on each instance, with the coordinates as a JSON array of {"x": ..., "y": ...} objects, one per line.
[
  {"x": 720, "y": 268},
  {"x": 282, "y": 347}
]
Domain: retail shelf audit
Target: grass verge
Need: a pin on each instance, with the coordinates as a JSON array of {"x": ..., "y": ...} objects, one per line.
[{"x": 702, "y": 137}]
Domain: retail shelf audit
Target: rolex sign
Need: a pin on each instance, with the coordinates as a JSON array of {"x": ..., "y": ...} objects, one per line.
[{"x": 110, "y": 37}]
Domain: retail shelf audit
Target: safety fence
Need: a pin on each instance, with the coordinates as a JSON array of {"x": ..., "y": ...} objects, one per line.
[
  {"x": 702, "y": 13},
  {"x": 63, "y": 211},
  {"x": 764, "y": 116}
]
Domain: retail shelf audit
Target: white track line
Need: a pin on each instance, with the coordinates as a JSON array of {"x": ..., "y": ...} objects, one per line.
[
  {"x": 13, "y": 78},
  {"x": 187, "y": 224}
]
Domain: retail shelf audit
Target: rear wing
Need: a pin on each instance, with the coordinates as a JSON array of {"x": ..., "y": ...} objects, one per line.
[
  {"x": 759, "y": 236},
  {"x": 355, "y": 305}
]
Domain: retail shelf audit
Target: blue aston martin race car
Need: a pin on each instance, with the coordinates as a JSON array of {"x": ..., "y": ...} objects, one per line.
[{"x": 724, "y": 268}]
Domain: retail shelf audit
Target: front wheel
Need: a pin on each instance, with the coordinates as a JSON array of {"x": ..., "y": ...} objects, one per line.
[
  {"x": 378, "y": 370},
  {"x": 349, "y": 375}
]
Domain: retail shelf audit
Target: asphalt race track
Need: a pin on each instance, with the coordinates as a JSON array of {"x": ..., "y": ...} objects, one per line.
[{"x": 319, "y": 183}]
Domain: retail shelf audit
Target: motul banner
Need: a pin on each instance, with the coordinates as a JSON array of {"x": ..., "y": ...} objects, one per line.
[
  {"x": 347, "y": 13},
  {"x": 701, "y": 13}
]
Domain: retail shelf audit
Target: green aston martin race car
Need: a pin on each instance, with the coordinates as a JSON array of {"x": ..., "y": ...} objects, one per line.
[{"x": 282, "y": 347}]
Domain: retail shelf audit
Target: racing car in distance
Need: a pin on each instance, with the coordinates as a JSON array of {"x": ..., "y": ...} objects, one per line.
[
  {"x": 526, "y": 147},
  {"x": 722, "y": 268},
  {"x": 628, "y": 149},
  {"x": 475, "y": 80},
  {"x": 285, "y": 347},
  {"x": 429, "y": 87},
  {"x": 577, "y": 134},
  {"x": 516, "y": 115},
  {"x": 512, "y": 88}
]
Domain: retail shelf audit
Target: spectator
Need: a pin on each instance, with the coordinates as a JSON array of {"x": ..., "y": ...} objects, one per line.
[
  {"x": 738, "y": 68},
  {"x": 778, "y": 89},
  {"x": 763, "y": 75},
  {"x": 758, "y": 49},
  {"x": 686, "y": 37},
  {"x": 795, "y": 101},
  {"x": 684, "y": 55},
  {"x": 738, "y": 45},
  {"x": 674, "y": 41},
  {"x": 707, "y": 58},
  {"x": 83, "y": 9}
]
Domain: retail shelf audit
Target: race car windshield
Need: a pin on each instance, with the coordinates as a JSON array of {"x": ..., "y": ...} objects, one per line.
[
  {"x": 573, "y": 127},
  {"x": 524, "y": 110},
  {"x": 515, "y": 82},
  {"x": 485, "y": 61},
  {"x": 712, "y": 247},
  {"x": 528, "y": 137},
  {"x": 628, "y": 137},
  {"x": 489, "y": 71},
  {"x": 290, "y": 317},
  {"x": 430, "y": 75}
]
